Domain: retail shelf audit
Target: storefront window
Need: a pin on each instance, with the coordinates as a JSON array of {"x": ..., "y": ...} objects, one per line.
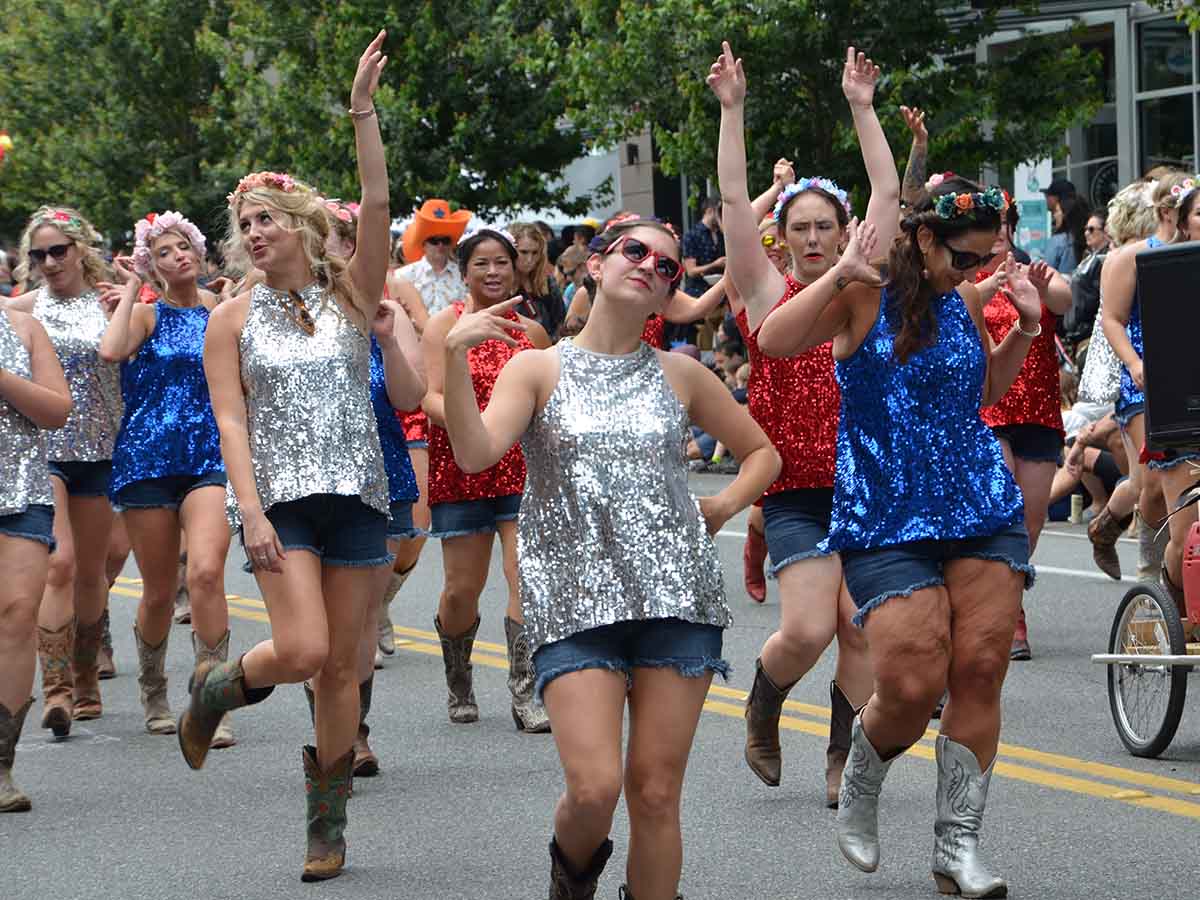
[
  {"x": 1165, "y": 54},
  {"x": 1166, "y": 130}
]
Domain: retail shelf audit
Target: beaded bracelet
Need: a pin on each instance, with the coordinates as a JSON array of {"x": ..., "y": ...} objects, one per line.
[{"x": 361, "y": 113}]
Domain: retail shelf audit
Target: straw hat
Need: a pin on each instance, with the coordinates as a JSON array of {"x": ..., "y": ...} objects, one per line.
[{"x": 433, "y": 219}]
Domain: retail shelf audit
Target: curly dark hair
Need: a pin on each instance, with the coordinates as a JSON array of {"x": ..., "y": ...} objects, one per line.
[{"x": 908, "y": 292}]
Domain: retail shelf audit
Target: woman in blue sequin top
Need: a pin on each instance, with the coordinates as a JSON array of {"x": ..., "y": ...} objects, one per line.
[
  {"x": 168, "y": 479},
  {"x": 927, "y": 517}
]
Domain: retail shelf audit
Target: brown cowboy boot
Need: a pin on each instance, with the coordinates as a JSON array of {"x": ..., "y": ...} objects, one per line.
[
  {"x": 386, "y": 634},
  {"x": 152, "y": 681},
  {"x": 841, "y": 718},
  {"x": 1176, "y": 593},
  {"x": 565, "y": 884},
  {"x": 54, "y": 652},
  {"x": 763, "y": 708},
  {"x": 216, "y": 688},
  {"x": 12, "y": 799},
  {"x": 326, "y": 793},
  {"x": 223, "y": 736},
  {"x": 529, "y": 715},
  {"x": 456, "y": 657},
  {"x": 105, "y": 665},
  {"x": 87, "y": 673},
  {"x": 1103, "y": 531}
]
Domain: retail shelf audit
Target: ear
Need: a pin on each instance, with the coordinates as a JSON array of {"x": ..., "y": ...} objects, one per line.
[
  {"x": 925, "y": 239},
  {"x": 594, "y": 263}
]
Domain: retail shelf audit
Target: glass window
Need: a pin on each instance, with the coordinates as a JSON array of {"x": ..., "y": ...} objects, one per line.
[
  {"x": 1165, "y": 132},
  {"x": 1164, "y": 54}
]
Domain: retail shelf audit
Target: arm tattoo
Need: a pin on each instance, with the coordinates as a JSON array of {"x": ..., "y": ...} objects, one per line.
[
  {"x": 841, "y": 283},
  {"x": 913, "y": 188}
]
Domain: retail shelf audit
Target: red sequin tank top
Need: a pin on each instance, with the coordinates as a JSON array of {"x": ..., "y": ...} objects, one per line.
[
  {"x": 1034, "y": 397},
  {"x": 415, "y": 424},
  {"x": 447, "y": 482},
  {"x": 655, "y": 332},
  {"x": 796, "y": 401}
]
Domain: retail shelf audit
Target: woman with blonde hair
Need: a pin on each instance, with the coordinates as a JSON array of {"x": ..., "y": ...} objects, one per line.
[
  {"x": 168, "y": 479},
  {"x": 288, "y": 366},
  {"x": 61, "y": 245},
  {"x": 543, "y": 302}
]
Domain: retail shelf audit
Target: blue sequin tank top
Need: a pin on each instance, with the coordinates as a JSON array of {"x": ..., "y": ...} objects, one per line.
[
  {"x": 168, "y": 427},
  {"x": 402, "y": 481},
  {"x": 914, "y": 459},
  {"x": 1130, "y": 396}
]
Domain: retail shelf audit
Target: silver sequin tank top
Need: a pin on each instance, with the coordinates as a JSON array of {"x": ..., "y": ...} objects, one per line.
[
  {"x": 608, "y": 530},
  {"x": 75, "y": 326},
  {"x": 308, "y": 402},
  {"x": 24, "y": 475}
]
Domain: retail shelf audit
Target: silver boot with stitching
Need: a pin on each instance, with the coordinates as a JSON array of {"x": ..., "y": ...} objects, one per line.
[
  {"x": 456, "y": 657},
  {"x": 858, "y": 801},
  {"x": 961, "y": 798},
  {"x": 529, "y": 715}
]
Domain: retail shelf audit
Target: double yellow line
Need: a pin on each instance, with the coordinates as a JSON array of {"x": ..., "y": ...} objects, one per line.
[{"x": 1050, "y": 770}]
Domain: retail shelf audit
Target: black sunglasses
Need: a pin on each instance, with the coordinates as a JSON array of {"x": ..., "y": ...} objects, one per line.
[
  {"x": 962, "y": 260},
  {"x": 635, "y": 251},
  {"x": 440, "y": 240},
  {"x": 58, "y": 251}
]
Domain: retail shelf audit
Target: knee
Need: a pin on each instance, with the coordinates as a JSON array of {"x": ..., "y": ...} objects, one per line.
[
  {"x": 917, "y": 690},
  {"x": 205, "y": 578},
  {"x": 301, "y": 660},
  {"x": 595, "y": 794},
  {"x": 852, "y": 640},
  {"x": 459, "y": 594},
  {"x": 652, "y": 793},
  {"x": 18, "y": 619},
  {"x": 980, "y": 673},
  {"x": 805, "y": 636},
  {"x": 60, "y": 572}
]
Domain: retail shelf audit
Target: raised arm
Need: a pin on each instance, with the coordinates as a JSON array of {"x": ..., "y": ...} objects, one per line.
[
  {"x": 683, "y": 308},
  {"x": 481, "y": 440},
  {"x": 406, "y": 294},
  {"x": 131, "y": 322},
  {"x": 43, "y": 398},
  {"x": 403, "y": 364},
  {"x": 1054, "y": 290},
  {"x": 1005, "y": 359},
  {"x": 747, "y": 265},
  {"x": 369, "y": 266},
  {"x": 433, "y": 344},
  {"x": 859, "y": 77},
  {"x": 912, "y": 190}
]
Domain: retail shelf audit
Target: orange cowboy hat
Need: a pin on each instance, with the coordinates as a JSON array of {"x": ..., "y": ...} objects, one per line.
[{"x": 433, "y": 219}]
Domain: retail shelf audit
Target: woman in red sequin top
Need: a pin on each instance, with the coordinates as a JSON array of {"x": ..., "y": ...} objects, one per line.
[
  {"x": 795, "y": 400},
  {"x": 469, "y": 510}
]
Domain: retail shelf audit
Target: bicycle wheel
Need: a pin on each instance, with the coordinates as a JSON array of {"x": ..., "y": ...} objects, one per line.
[{"x": 1147, "y": 699}]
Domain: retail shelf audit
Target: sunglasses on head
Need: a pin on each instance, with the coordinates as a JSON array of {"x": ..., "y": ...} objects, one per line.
[
  {"x": 962, "y": 260},
  {"x": 440, "y": 240},
  {"x": 769, "y": 240},
  {"x": 635, "y": 251},
  {"x": 58, "y": 251}
]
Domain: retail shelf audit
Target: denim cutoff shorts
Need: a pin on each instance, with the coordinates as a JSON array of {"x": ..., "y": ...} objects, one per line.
[
  {"x": 340, "y": 530},
  {"x": 1173, "y": 458},
  {"x": 83, "y": 479},
  {"x": 689, "y": 648},
  {"x": 796, "y": 522},
  {"x": 400, "y": 523},
  {"x": 35, "y": 523},
  {"x": 465, "y": 517},
  {"x": 1032, "y": 443},
  {"x": 167, "y": 492},
  {"x": 900, "y": 570},
  {"x": 1128, "y": 414}
]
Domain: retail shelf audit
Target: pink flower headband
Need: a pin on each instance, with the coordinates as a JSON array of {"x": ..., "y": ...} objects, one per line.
[
  {"x": 809, "y": 184},
  {"x": 1182, "y": 191},
  {"x": 61, "y": 217},
  {"x": 629, "y": 218},
  {"x": 343, "y": 212},
  {"x": 280, "y": 181},
  {"x": 155, "y": 225}
]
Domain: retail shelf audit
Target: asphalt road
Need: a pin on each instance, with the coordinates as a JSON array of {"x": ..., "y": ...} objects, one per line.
[{"x": 465, "y": 811}]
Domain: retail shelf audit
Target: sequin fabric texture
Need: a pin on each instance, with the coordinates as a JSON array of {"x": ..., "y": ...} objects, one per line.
[
  {"x": 416, "y": 426},
  {"x": 308, "y": 402},
  {"x": 608, "y": 530},
  {"x": 795, "y": 401},
  {"x": 1034, "y": 397},
  {"x": 1131, "y": 394},
  {"x": 168, "y": 427},
  {"x": 447, "y": 482},
  {"x": 402, "y": 483},
  {"x": 915, "y": 461},
  {"x": 654, "y": 332},
  {"x": 24, "y": 475},
  {"x": 75, "y": 326}
]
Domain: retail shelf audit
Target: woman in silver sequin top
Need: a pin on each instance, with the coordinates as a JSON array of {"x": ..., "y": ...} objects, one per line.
[
  {"x": 33, "y": 396},
  {"x": 288, "y": 372},
  {"x": 620, "y": 582},
  {"x": 61, "y": 245}
]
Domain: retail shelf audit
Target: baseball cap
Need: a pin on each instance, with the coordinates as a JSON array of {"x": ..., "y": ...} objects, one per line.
[{"x": 1060, "y": 187}]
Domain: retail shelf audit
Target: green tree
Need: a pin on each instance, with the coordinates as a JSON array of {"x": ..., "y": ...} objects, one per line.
[
  {"x": 1185, "y": 11},
  {"x": 639, "y": 64}
]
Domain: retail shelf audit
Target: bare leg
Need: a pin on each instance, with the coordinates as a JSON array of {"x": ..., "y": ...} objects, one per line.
[
  {"x": 91, "y": 523},
  {"x": 465, "y": 563},
  {"x": 207, "y": 534},
  {"x": 347, "y": 593},
  {"x": 24, "y": 563},
  {"x": 58, "y": 600},
  {"x": 508, "y": 546},
  {"x": 154, "y": 534},
  {"x": 299, "y": 642},
  {"x": 808, "y": 618}
]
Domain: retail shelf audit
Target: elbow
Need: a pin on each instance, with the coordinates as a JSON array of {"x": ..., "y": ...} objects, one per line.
[
  {"x": 57, "y": 413},
  {"x": 772, "y": 343},
  {"x": 469, "y": 465},
  {"x": 774, "y": 461},
  {"x": 109, "y": 355}
]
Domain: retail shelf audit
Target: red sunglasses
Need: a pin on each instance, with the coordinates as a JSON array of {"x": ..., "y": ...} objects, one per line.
[{"x": 669, "y": 270}]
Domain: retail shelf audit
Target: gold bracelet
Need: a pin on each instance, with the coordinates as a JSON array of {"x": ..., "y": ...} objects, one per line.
[
  {"x": 1030, "y": 334},
  {"x": 361, "y": 113}
]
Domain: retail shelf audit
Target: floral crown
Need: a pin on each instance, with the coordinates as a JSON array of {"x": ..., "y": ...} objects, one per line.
[
  {"x": 810, "y": 184},
  {"x": 280, "y": 181},
  {"x": 58, "y": 217},
  {"x": 342, "y": 210},
  {"x": 951, "y": 206},
  {"x": 154, "y": 226},
  {"x": 597, "y": 244},
  {"x": 1184, "y": 190}
]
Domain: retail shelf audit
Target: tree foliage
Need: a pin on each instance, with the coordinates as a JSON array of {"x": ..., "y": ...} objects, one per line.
[{"x": 643, "y": 64}]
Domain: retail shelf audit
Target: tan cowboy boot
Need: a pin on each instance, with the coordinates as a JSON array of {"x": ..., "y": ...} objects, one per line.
[
  {"x": 87, "y": 673},
  {"x": 456, "y": 657},
  {"x": 216, "y": 688},
  {"x": 54, "y": 653},
  {"x": 105, "y": 665},
  {"x": 1104, "y": 531},
  {"x": 12, "y": 799},
  {"x": 841, "y": 718},
  {"x": 529, "y": 715},
  {"x": 223, "y": 736},
  {"x": 763, "y": 753},
  {"x": 152, "y": 680},
  {"x": 387, "y": 634}
]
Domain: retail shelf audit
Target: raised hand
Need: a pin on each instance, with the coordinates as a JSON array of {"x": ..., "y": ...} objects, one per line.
[
  {"x": 994, "y": 282},
  {"x": 914, "y": 118},
  {"x": 366, "y": 79},
  {"x": 859, "y": 76},
  {"x": 726, "y": 78},
  {"x": 383, "y": 326},
  {"x": 855, "y": 262},
  {"x": 784, "y": 173},
  {"x": 1023, "y": 295},
  {"x": 490, "y": 324},
  {"x": 1040, "y": 274}
]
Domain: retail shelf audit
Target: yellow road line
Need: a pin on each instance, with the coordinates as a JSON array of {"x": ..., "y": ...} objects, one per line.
[{"x": 494, "y": 656}]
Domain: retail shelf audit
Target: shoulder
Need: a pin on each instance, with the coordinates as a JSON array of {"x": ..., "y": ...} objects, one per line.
[
  {"x": 230, "y": 315},
  {"x": 535, "y": 332},
  {"x": 441, "y": 322},
  {"x": 21, "y": 302},
  {"x": 24, "y": 324}
]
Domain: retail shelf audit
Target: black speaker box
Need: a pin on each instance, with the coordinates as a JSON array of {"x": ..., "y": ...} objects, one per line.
[{"x": 1168, "y": 289}]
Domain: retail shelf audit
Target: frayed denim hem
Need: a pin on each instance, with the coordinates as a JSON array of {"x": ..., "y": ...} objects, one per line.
[
  {"x": 121, "y": 507},
  {"x": 880, "y": 599},
  {"x": 1025, "y": 569},
  {"x": 29, "y": 536},
  {"x": 1165, "y": 465},
  {"x": 462, "y": 532},
  {"x": 687, "y": 666},
  {"x": 407, "y": 534},
  {"x": 609, "y": 665},
  {"x": 1126, "y": 415},
  {"x": 386, "y": 560},
  {"x": 815, "y": 553}
]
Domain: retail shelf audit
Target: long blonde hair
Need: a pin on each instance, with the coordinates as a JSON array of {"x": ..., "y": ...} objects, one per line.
[
  {"x": 539, "y": 279},
  {"x": 300, "y": 211},
  {"x": 1131, "y": 214},
  {"x": 78, "y": 230}
]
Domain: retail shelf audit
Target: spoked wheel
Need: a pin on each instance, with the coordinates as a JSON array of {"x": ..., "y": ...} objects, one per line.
[{"x": 1147, "y": 699}]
